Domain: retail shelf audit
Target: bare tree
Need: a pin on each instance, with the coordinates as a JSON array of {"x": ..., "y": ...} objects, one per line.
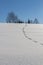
[
  {"x": 11, "y": 18},
  {"x": 36, "y": 21}
]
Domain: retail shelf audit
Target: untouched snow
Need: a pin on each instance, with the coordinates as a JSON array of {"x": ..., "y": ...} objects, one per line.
[{"x": 16, "y": 49}]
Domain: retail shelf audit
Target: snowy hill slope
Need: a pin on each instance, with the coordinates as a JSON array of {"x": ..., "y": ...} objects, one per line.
[{"x": 14, "y": 42}]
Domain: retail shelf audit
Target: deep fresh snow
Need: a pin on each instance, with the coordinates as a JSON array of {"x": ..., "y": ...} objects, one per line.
[{"x": 16, "y": 49}]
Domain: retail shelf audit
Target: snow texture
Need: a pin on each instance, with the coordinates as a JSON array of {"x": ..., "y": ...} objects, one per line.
[{"x": 16, "y": 49}]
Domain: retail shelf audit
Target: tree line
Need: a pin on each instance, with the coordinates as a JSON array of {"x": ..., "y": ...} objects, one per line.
[{"x": 12, "y": 18}]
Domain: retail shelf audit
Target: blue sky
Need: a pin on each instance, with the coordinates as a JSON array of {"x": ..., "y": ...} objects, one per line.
[{"x": 24, "y": 9}]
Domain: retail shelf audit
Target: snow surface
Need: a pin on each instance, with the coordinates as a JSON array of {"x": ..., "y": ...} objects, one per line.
[{"x": 16, "y": 49}]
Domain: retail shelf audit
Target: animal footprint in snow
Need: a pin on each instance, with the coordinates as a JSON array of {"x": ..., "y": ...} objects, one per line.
[{"x": 33, "y": 32}]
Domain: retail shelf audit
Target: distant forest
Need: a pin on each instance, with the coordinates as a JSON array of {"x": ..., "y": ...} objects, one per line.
[{"x": 12, "y": 18}]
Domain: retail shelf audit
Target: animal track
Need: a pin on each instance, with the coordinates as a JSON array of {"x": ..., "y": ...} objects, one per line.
[{"x": 26, "y": 36}]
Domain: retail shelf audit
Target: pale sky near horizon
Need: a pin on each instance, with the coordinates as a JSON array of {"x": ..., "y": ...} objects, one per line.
[{"x": 24, "y": 9}]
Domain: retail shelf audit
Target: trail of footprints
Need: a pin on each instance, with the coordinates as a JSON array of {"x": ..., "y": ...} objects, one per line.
[{"x": 26, "y": 36}]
